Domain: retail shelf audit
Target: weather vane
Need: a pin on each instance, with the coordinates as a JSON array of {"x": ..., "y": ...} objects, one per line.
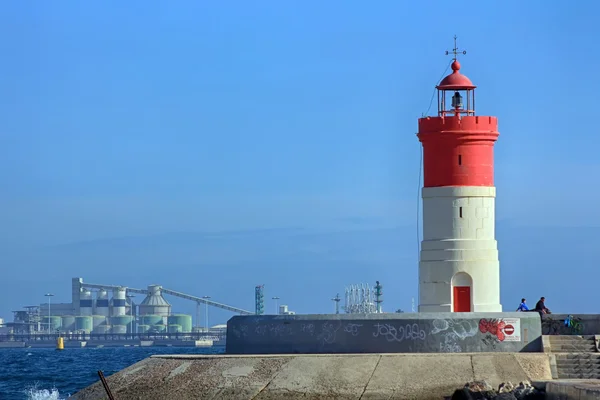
[{"x": 455, "y": 50}]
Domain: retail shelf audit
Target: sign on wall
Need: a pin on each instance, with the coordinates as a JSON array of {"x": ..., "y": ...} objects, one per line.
[
  {"x": 504, "y": 329},
  {"x": 512, "y": 329}
]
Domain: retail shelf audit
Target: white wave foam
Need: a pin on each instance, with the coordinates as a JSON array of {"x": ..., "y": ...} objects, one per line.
[{"x": 43, "y": 394}]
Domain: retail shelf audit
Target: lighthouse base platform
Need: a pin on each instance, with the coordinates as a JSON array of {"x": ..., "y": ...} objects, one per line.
[{"x": 385, "y": 333}]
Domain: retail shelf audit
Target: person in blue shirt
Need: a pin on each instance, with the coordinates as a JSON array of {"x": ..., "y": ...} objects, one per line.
[{"x": 523, "y": 306}]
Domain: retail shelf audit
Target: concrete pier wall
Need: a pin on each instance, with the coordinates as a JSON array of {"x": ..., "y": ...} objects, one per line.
[
  {"x": 384, "y": 333},
  {"x": 323, "y": 376}
]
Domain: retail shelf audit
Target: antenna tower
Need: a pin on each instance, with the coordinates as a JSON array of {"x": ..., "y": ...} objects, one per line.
[
  {"x": 378, "y": 295},
  {"x": 337, "y": 300},
  {"x": 259, "y": 299}
]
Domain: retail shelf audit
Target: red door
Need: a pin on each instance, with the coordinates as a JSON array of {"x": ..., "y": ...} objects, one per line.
[{"x": 462, "y": 299}]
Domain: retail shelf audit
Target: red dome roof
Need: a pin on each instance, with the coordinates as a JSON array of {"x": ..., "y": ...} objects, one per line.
[{"x": 456, "y": 80}]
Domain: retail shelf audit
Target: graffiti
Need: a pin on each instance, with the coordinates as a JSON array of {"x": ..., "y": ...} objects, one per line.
[
  {"x": 261, "y": 330},
  {"x": 490, "y": 341},
  {"x": 308, "y": 328},
  {"x": 462, "y": 329},
  {"x": 453, "y": 333},
  {"x": 328, "y": 333},
  {"x": 493, "y": 326},
  {"x": 352, "y": 329},
  {"x": 272, "y": 329},
  {"x": 449, "y": 345},
  {"x": 569, "y": 326},
  {"x": 280, "y": 330},
  {"x": 391, "y": 334}
]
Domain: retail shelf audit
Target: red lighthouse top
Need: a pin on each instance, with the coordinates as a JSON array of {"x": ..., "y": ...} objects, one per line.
[
  {"x": 458, "y": 146},
  {"x": 456, "y": 80}
]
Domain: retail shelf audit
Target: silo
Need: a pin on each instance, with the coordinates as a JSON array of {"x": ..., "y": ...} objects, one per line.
[
  {"x": 152, "y": 320},
  {"x": 102, "y": 302},
  {"x": 54, "y": 321},
  {"x": 98, "y": 320},
  {"x": 121, "y": 320},
  {"x": 85, "y": 302},
  {"x": 120, "y": 329},
  {"x": 119, "y": 301},
  {"x": 83, "y": 323},
  {"x": 68, "y": 323},
  {"x": 174, "y": 328},
  {"x": 143, "y": 328},
  {"x": 185, "y": 321},
  {"x": 154, "y": 303}
]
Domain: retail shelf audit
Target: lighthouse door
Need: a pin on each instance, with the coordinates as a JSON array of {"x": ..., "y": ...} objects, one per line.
[{"x": 462, "y": 299}]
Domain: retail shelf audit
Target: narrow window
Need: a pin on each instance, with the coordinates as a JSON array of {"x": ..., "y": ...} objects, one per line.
[
  {"x": 459, "y": 159},
  {"x": 460, "y": 211}
]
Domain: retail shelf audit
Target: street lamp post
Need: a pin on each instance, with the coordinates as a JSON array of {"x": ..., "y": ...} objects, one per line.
[
  {"x": 198, "y": 316},
  {"x": 206, "y": 311},
  {"x": 131, "y": 296},
  {"x": 49, "y": 296},
  {"x": 276, "y": 305}
]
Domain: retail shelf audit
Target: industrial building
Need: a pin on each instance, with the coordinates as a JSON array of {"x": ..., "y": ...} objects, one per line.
[{"x": 110, "y": 309}]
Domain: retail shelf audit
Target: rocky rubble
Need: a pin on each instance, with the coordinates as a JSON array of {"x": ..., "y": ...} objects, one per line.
[{"x": 506, "y": 391}]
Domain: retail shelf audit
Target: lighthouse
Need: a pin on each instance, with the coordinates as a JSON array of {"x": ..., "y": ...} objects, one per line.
[{"x": 459, "y": 269}]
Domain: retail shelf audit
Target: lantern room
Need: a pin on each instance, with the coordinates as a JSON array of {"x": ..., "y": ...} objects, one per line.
[{"x": 456, "y": 94}]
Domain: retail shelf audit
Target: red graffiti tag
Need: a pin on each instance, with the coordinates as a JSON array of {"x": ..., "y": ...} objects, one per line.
[{"x": 493, "y": 326}]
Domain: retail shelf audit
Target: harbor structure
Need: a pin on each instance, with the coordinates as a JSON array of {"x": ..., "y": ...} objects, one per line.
[
  {"x": 91, "y": 312},
  {"x": 459, "y": 270}
]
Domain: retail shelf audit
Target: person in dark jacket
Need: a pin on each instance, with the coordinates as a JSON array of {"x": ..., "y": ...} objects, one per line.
[{"x": 541, "y": 306}]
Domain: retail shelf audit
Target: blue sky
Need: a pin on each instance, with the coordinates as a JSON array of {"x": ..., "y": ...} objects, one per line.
[{"x": 137, "y": 119}]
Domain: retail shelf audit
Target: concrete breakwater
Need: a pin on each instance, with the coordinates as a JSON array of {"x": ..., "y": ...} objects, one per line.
[
  {"x": 385, "y": 333},
  {"x": 318, "y": 376}
]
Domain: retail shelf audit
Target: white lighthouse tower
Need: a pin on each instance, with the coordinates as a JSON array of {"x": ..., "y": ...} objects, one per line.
[{"x": 459, "y": 269}]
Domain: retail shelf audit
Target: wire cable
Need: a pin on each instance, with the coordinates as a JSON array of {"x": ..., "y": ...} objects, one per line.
[{"x": 419, "y": 188}]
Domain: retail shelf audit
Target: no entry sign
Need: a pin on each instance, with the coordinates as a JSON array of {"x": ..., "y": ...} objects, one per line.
[{"x": 512, "y": 329}]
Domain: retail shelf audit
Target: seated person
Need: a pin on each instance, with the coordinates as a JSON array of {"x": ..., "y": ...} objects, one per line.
[
  {"x": 541, "y": 306},
  {"x": 523, "y": 306}
]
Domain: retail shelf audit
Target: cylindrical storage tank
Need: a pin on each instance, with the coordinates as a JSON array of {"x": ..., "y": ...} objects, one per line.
[
  {"x": 102, "y": 303},
  {"x": 174, "y": 328},
  {"x": 85, "y": 302},
  {"x": 121, "y": 329},
  {"x": 152, "y": 320},
  {"x": 102, "y": 329},
  {"x": 143, "y": 328},
  {"x": 83, "y": 323},
  {"x": 68, "y": 323},
  {"x": 98, "y": 320},
  {"x": 181, "y": 319},
  {"x": 119, "y": 301},
  {"x": 54, "y": 322},
  {"x": 122, "y": 320}
]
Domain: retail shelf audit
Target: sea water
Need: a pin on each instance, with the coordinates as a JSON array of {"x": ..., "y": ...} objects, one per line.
[{"x": 48, "y": 374}]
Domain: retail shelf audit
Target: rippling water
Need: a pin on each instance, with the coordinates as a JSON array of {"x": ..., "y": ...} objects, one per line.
[{"x": 36, "y": 374}]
